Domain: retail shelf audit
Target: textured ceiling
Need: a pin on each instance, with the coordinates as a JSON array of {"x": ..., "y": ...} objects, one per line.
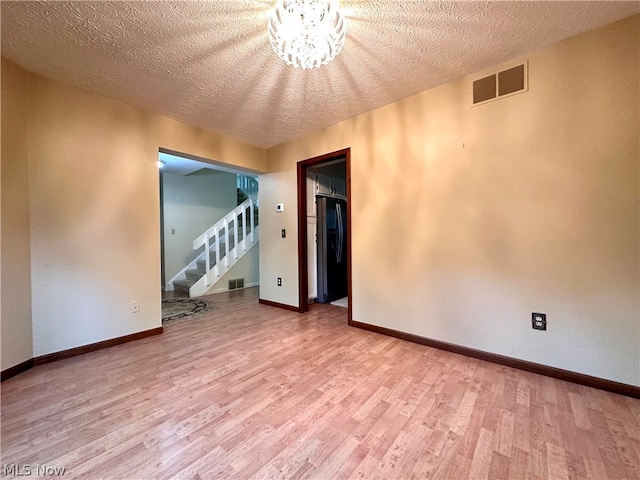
[{"x": 210, "y": 64}]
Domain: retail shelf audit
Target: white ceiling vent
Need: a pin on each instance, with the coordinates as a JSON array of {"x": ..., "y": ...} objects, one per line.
[{"x": 508, "y": 82}]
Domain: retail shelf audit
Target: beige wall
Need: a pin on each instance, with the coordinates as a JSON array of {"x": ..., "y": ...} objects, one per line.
[
  {"x": 538, "y": 211},
  {"x": 15, "y": 294},
  {"x": 94, "y": 210},
  {"x": 467, "y": 220}
]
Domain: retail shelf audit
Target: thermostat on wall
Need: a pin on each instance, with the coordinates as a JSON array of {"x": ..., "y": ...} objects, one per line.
[{"x": 280, "y": 207}]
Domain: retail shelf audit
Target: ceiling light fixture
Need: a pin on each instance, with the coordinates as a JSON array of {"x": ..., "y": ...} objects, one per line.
[{"x": 307, "y": 33}]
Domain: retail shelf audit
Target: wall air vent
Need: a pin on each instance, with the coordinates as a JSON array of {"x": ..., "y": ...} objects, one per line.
[
  {"x": 511, "y": 81},
  {"x": 507, "y": 82},
  {"x": 484, "y": 89},
  {"x": 236, "y": 283}
]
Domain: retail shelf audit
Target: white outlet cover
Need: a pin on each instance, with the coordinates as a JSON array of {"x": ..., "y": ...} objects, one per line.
[{"x": 280, "y": 207}]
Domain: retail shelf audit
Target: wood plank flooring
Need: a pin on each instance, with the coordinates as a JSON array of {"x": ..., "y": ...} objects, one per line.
[{"x": 252, "y": 391}]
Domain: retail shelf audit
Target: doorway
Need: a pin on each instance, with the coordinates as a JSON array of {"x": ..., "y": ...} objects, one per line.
[
  {"x": 197, "y": 195},
  {"x": 303, "y": 168}
]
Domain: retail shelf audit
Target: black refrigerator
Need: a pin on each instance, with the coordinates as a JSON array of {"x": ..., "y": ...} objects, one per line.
[{"x": 332, "y": 248}]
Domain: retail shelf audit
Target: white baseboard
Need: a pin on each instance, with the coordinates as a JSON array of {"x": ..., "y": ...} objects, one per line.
[{"x": 223, "y": 289}]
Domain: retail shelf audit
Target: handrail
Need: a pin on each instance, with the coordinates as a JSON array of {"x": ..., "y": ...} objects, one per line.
[
  {"x": 233, "y": 214},
  {"x": 247, "y": 184}
]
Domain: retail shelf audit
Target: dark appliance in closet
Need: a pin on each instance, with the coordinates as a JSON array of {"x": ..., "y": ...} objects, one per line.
[{"x": 332, "y": 248}]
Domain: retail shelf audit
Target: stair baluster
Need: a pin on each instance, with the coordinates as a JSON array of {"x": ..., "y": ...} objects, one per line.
[{"x": 198, "y": 273}]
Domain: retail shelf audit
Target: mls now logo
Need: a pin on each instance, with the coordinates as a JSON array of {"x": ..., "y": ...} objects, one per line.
[{"x": 27, "y": 470}]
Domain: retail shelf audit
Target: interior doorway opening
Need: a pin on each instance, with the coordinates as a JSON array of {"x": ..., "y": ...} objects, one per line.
[
  {"x": 203, "y": 198},
  {"x": 324, "y": 226}
]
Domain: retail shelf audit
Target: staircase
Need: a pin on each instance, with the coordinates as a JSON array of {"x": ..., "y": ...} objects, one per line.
[
  {"x": 246, "y": 187},
  {"x": 221, "y": 250}
]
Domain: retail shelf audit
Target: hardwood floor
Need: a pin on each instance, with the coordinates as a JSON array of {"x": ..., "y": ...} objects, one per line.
[{"x": 252, "y": 391}]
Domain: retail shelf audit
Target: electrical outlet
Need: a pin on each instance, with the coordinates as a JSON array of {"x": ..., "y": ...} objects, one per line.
[
  {"x": 283, "y": 233},
  {"x": 539, "y": 321},
  {"x": 279, "y": 281},
  {"x": 135, "y": 307}
]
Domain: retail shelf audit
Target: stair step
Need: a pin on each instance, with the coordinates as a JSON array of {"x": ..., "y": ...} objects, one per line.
[
  {"x": 195, "y": 274},
  {"x": 202, "y": 266},
  {"x": 212, "y": 261},
  {"x": 183, "y": 285}
]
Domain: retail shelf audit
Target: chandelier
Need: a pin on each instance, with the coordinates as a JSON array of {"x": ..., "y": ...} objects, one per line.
[{"x": 307, "y": 33}]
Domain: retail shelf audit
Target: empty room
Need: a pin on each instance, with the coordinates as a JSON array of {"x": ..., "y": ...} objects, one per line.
[{"x": 320, "y": 239}]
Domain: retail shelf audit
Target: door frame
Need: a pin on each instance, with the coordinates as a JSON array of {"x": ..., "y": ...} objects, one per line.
[{"x": 303, "y": 270}]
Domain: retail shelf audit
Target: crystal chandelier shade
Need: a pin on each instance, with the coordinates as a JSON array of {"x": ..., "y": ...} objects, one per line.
[{"x": 307, "y": 33}]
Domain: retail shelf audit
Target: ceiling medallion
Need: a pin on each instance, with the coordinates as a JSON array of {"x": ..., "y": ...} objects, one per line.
[{"x": 307, "y": 33}]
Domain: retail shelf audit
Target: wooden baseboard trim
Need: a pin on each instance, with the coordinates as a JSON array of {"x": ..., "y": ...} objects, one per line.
[
  {"x": 72, "y": 352},
  {"x": 16, "y": 369},
  {"x": 579, "y": 378},
  {"x": 279, "y": 305}
]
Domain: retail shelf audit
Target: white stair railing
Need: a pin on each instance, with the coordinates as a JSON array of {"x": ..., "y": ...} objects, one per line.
[
  {"x": 247, "y": 184},
  {"x": 217, "y": 243}
]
